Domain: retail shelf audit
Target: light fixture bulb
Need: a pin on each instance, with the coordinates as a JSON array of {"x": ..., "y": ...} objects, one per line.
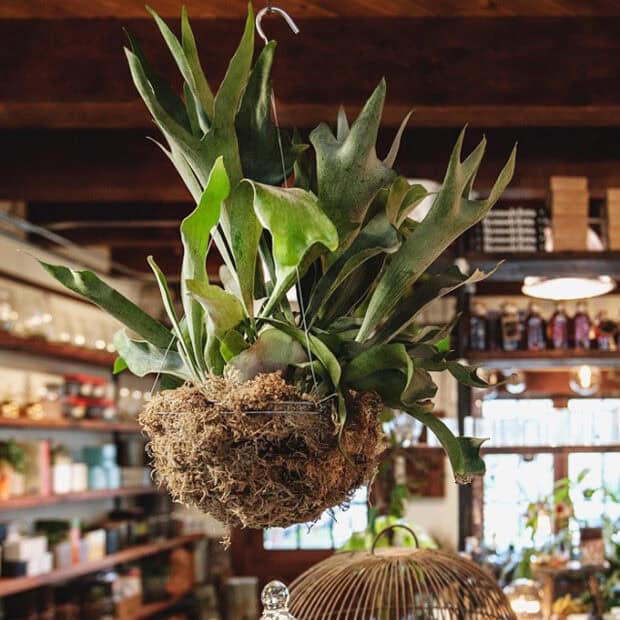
[
  {"x": 525, "y": 597},
  {"x": 575, "y": 287},
  {"x": 585, "y": 380}
]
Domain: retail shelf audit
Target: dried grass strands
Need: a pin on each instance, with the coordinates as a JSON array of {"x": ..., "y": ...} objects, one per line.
[{"x": 258, "y": 454}]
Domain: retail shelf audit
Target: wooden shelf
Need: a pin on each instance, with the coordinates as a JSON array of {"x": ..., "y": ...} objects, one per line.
[
  {"x": 66, "y": 424},
  {"x": 544, "y": 359},
  {"x": 547, "y": 449},
  {"x": 518, "y": 265},
  {"x": 23, "y": 584},
  {"x": 68, "y": 352},
  {"x": 35, "y": 501}
]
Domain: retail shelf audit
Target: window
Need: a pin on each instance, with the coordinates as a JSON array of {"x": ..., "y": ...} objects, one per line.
[
  {"x": 511, "y": 483},
  {"x": 603, "y": 472},
  {"x": 331, "y": 531}
]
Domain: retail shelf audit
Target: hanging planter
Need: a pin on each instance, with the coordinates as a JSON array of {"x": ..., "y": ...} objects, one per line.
[
  {"x": 264, "y": 455},
  {"x": 269, "y": 410}
]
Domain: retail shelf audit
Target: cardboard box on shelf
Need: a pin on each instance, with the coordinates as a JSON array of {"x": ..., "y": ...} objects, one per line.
[
  {"x": 613, "y": 218},
  {"x": 568, "y": 183},
  {"x": 570, "y": 204},
  {"x": 24, "y": 548}
]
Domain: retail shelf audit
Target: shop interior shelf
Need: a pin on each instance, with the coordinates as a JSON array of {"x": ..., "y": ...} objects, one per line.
[
  {"x": 518, "y": 265},
  {"x": 12, "y": 586},
  {"x": 103, "y": 426},
  {"x": 35, "y": 501},
  {"x": 68, "y": 352},
  {"x": 548, "y": 449},
  {"x": 544, "y": 359}
]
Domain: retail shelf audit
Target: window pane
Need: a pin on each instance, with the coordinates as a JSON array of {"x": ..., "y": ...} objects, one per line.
[
  {"x": 281, "y": 538},
  {"x": 603, "y": 472},
  {"x": 331, "y": 531},
  {"x": 510, "y": 484}
]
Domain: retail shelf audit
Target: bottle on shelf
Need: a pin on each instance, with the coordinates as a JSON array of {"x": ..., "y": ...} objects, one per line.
[
  {"x": 604, "y": 331},
  {"x": 478, "y": 328},
  {"x": 558, "y": 327},
  {"x": 534, "y": 329},
  {"x": 511, "y": 327},
  {"x": 74, "y": 540},
  {"x": 581, "y": 327},
  {"x": 494, "y": 330}
]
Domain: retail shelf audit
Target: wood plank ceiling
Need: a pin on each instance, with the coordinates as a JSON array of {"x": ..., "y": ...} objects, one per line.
[{"x": 543, "y": 72}]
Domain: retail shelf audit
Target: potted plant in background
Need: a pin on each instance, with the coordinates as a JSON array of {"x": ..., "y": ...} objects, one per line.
[
  {"x": 11, "y": 467},
  {"x": 269, "y": 409}
]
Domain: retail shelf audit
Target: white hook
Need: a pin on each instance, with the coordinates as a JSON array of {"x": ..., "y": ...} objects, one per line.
[{"x": 273, "y": 9}]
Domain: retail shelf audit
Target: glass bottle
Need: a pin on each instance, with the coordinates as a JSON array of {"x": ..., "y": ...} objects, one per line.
[
  {"x": 534, "y": 329},
  {"x": 581, "y": 327},
  {"x": 511, "y": 327},
  {"x": 8, "y": 315},
  {"x": 604, "y": 331},
  {"x": 494, "y": 330},
  {"x": 478, "y": 328},
  {"x": 558, "y": 328},
  {"x": 275, "y": 602}
]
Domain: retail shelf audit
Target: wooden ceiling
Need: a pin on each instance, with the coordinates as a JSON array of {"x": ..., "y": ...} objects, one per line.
[
  {"x": 63, "y": 9},
  {"x": 540, "y": 72}
]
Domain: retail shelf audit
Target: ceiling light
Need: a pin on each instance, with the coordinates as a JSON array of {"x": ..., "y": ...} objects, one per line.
[{"x": 559, "y": 289}]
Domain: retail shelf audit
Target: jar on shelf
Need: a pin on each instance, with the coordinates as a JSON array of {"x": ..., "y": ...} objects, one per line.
[
  {"x": 605, "y": 331},
  {"x": 581, "y": 327},
  {"x": 558, "y": 327},
  {"x": 511, "y": 327},
  {"x": 534, "y": 329},
  {"x": 35, "y": 318},
  {"x": 478, "y": 327},
  {"x": 10, "y": 405},
  {"x": 8, "y": 314}
]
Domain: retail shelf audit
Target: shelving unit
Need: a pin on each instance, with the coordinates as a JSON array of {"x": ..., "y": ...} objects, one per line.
[
  {"x": 507, "y": 280},
  {"x": 543, "y": 359},
  {"x": 102, "y": 426},
  {"x": 518, "y": 265},
  {"x": 88, "y": 358},
  {"x": 67, "y": 352},
  {"x": 22, "y": 584},
  {"x": 526, "y": 450},
  {"x": 35, "y": 501}
]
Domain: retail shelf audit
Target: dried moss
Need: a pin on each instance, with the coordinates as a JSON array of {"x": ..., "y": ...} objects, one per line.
[{"x": 260, "y": 469}]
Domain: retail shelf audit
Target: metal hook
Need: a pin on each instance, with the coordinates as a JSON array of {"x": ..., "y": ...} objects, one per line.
[{"x": 268, "y": 10}]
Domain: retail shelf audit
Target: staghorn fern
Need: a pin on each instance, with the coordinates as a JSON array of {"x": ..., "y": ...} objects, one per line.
[{"x": 341, "y": 236}]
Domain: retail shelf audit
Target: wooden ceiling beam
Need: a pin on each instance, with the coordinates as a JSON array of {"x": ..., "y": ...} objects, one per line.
[
  {"x": 132, "y": 114},
  {"x": 90, "y": 167},
  {"x": 63, "y": 9},
  {"x": 503, "y": 69}
]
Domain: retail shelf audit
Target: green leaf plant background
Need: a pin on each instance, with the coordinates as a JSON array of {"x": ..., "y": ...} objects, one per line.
[{"x": 340, "y": 237}]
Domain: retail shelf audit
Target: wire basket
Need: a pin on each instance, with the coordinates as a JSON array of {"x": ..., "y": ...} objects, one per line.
[{"x": 397, "y": 584}]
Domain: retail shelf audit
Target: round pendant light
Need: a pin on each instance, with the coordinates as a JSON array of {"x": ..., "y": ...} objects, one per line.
[{"x": 560, "y": 289}]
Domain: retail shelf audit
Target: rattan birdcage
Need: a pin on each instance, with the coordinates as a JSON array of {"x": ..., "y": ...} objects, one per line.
[{"x": 397, "y": 584}]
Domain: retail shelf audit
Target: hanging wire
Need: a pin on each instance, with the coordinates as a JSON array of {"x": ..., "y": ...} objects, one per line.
[
  {"x": 78, "y": 252},
  {"x": 268, "y": 10}
]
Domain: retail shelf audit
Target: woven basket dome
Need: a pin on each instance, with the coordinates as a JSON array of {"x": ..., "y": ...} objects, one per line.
[{"x": 397, "y": 584}]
